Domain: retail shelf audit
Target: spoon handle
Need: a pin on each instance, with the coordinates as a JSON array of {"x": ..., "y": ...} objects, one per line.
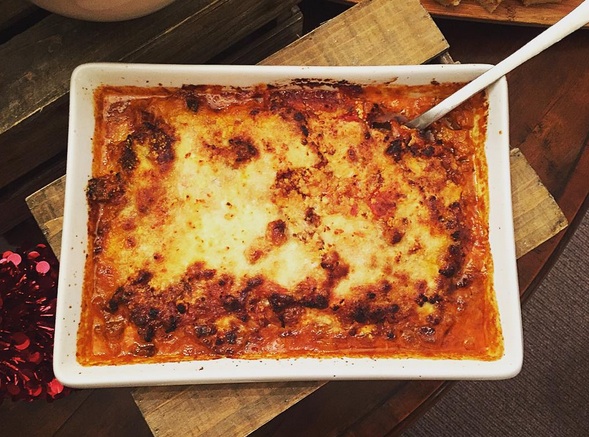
[{"x": 575, "y": 19}]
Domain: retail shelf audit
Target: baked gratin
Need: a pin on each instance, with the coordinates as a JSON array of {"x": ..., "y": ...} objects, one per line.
[{"x": 287, "y": 220}]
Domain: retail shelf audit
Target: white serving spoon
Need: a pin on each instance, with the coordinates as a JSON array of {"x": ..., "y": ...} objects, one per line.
[{"x": 575, "y": 19}]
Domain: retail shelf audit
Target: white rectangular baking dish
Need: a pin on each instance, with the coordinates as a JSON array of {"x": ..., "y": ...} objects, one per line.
[{"x": 88, "y": 77}]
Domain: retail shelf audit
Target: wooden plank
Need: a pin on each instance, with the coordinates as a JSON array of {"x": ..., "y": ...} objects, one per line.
[
  {"x": 13, "y": 13},
  {"x": 12, "y": 198},
  {"x": 538, "y": 216},
  {"x": 106, "y": 412},
  {"x": 47, "y": 208},
  {"x": 508, "y": 12},
  {"x": 217, "y": 410},
  {"x": 42, "y": 418},
  {"x": 278, "y": 34},
  {"x": 9, "y": 9},
  {"x": 370, "y": 33},
  {"x": 341, "y": 399},
  {"x": 32, "y": 92}
]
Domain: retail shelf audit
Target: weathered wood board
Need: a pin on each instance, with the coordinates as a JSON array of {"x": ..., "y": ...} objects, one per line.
[
  {"x": 536, "y": 216},
  {"x": 508, "y": 12},
  {"x": 370, "y": 33}
]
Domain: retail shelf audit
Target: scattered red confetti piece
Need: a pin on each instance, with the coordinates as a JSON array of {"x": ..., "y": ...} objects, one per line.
[
  {"x": 28, "y": 292},
  {"x": 36, "y": 357},
  {"x": 14, "y": 258},
  {"x": 21, "y": 341},
  {"x": 33, "y": 254},
  {"x": 54, "y": 387},
  {"x": 42, "y": 267}
]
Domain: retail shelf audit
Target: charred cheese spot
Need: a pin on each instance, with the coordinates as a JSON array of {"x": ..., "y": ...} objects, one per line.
[
  {"x": 311, "y": 217},
  {"x": 335, "y": 267},
  {"x": 105, "y": 188},
  {"x": 237, "y": 152},
  {"x": 276, "y": 232},
  {"x": 158, "y": 138},
  {"x": 242, "y": 150},
  {"x": 128, "y": 159}
]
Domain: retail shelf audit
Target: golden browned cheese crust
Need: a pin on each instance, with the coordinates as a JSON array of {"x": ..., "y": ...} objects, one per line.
[{"x": 284, "y": 221}]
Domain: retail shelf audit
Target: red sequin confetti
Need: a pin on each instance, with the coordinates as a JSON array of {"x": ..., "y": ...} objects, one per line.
[
  {"x": 28, "y": 293},
  {"x": 42, "y": 267}
]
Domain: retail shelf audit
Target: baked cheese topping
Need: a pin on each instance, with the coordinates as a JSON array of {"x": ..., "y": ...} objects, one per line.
[{"x": 301, "y": 219}]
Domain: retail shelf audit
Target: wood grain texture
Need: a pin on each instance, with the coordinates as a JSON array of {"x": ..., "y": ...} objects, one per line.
[
  {"x": 47, "y": 207},
  {"x": 339, "y": 403},
  {"x": 217, "y": 410},
  {"x": 531, "y": 200},
  {"x": 285, "y": 29},
  {"x": 508, "y": 12},
  {"x": 12, "y": 198},
  {"x": 33, "y": 94},
  {"x": 371, "y": 33},
  {"x": 108, "y": 412},
  {"x": 13, "y": 13},
  {"x": 59, "y": 44},
  {"x": 43, "y": 419}
]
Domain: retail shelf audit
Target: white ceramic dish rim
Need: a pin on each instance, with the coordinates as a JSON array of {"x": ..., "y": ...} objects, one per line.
[{"x": 74, "y": 241}]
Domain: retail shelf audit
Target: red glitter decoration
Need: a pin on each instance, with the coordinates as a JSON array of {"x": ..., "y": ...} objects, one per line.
[{"x": 28, "y": 293}]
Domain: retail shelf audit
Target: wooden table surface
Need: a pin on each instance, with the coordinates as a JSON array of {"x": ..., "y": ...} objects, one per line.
[{"x": 549, "y": 98}]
